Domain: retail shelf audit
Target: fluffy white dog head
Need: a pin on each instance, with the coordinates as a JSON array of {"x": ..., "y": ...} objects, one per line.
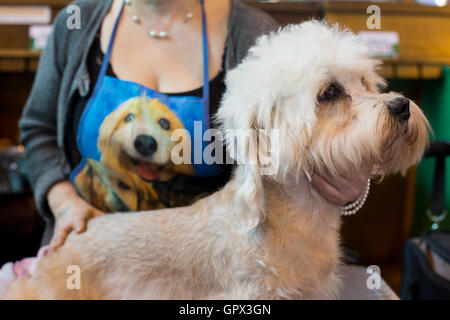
[{"x": 318, "y": 86}]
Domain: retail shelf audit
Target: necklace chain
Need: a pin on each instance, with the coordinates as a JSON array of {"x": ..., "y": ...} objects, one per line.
[
  {"x": 154, "y": 33},
  {"x": 354, "y": 207}
]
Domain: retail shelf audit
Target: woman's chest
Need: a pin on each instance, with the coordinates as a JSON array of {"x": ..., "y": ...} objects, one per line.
[{"x": 174, "y": 64}]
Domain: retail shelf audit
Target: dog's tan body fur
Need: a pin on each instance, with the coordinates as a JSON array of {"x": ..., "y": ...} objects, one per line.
[{"x": 195, "y": 253}]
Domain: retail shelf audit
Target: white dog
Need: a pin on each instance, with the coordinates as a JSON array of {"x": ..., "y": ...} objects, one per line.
[{"x": 260, "y": 237}]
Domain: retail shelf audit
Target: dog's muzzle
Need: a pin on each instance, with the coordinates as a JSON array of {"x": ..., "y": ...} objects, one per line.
[
  {"x": 145, "y": 145},
  {"x": 399, "y": 108}
]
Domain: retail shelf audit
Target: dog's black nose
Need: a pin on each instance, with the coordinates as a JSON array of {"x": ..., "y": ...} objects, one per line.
[
  {"x": 399, "y": 108},
  {"x": 145, "y": 145}
]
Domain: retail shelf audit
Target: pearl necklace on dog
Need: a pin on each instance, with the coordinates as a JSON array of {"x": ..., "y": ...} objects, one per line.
[
  {"x": 355, "y": 206},
  {"x": 157, "y": 34}
]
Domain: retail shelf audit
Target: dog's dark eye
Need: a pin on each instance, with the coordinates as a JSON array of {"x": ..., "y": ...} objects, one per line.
[
  {"x": 124, "y": 186},
  {"x": 331, "y": 92},
  {"x": 164, "y": 123},
  {"x": 129, "y": 117}
]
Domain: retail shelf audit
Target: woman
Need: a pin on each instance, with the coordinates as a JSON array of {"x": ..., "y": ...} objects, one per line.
[{"x": 127, "y": 55}]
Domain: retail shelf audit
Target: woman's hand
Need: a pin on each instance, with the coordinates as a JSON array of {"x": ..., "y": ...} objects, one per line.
[
  {"x": 71, "y": 212},
  {"x": 341, "y": 190}
]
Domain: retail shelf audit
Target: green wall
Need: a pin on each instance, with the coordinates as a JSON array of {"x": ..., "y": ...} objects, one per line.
[
  {"x": 436, "y": 105},
  {"x": 435, "y": 97}
]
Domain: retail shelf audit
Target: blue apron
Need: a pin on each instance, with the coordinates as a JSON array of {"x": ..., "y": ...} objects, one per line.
[{"x": 125, "y": 138}]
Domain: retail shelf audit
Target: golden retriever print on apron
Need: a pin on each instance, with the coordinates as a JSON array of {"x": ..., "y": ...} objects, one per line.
[{"x": 126, "y": 137}]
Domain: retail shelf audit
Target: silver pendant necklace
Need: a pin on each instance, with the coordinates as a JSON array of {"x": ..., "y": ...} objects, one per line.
[{"x": 154, "y": 33}]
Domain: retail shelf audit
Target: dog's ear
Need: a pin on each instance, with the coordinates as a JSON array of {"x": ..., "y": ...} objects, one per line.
[
  {"x": 109, "y": 125},
  {"x": 237, "y": 119},
  {"x": 249, "y": 198}
]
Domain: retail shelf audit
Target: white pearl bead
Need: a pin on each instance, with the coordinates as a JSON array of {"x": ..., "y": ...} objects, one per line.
[
  {"x": 153, "y": 33},
  {"x": 163, "y": 34},
  {"x": 354, "y": 207}
]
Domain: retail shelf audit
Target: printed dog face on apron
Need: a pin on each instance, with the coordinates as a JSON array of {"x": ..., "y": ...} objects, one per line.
[
  {"x": 126, "y": 137},
  {"x": 139, "y": 134}
]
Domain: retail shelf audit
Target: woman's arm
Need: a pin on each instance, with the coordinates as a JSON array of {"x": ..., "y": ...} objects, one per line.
[
  {"x": 45, "y": 161},
  {"x": 71, "y": 212}
]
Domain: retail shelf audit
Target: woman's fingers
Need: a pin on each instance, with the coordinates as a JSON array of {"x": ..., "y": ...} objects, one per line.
[
  {"x": 340, "y": 182},
  {"x": 59, "y": 238},
  {"x": 57, "y": 241},
  {"x": 348, "y": 189},
  {"x": 98, "y": 213},
  {"x": 80, "y": 225},
  {"x": 74, "y": 218},
  {"x": 339, "y": 189},
  {"x": 43, "y": 251},
  {"x": 326, "y": 190}
]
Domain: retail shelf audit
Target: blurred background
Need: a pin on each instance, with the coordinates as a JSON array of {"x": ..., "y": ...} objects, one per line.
[{"x": 413, "y": 39}]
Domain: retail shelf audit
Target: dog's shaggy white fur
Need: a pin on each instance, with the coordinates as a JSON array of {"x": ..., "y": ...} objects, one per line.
[{"x": 260, "y": 237}]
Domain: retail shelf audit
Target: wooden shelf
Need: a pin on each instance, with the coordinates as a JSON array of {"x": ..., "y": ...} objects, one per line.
[
  {"x": 19, "y": 53},
  {"x": 423, "y": 31},
  {"x": 424, "y": 34},
  {"x": 56, "y": 3},
  {"x": 18, "y": 60},
  {"x": 22, "y": 60},
  {"x": 15, "y": 57},
  {"x": 411, "y": 69}
]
